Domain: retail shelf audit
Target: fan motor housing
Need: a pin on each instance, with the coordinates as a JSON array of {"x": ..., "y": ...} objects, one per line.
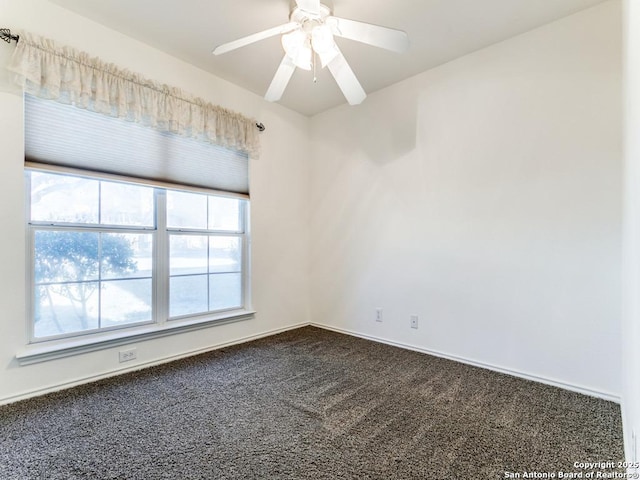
[{"x": 302, "y": 16}]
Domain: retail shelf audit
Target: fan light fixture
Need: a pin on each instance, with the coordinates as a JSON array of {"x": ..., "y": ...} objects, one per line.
[
  {"x": 310, "y": 33},
  {"x": 323, "y": 44},
  {"x": 297, "y": 45},
  {"x": 311, "y": 38}
]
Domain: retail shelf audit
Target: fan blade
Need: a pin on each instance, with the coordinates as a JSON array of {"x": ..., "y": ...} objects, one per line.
[
  {"x": 383, "y": 37},
  {"x": 346, "y": 80},
  {"x": 241, "y": 42},
  {"x": 309, "y": 6},
  {"x": 280, "y": 80}
]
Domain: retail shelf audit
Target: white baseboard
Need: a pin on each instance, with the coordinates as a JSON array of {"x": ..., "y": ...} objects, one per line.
[
  {"x": 631, "y": 447},
  {"x": 515, "y": 373},
  {"x": 141, "y": 366},
  {"x": 113, "y": 373}
]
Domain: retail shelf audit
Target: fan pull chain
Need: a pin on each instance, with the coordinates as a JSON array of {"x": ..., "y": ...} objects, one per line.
[{"x": 315, "y": 78}]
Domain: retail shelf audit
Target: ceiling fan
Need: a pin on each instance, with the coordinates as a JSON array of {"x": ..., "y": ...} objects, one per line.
[{"x": 308, "y": 36}]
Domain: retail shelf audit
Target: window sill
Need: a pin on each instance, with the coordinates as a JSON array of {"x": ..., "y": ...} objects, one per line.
[{"x": 37, "y": 353}]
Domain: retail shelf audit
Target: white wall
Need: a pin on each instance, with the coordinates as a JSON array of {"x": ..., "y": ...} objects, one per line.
[
  {"x": 279, "y": 193},
  {"x": 484, "y": 196},
  {"x": 631, "y": 285}
]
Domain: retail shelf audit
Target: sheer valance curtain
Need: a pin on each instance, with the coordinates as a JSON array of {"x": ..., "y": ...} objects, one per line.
[{"x": 47, "y": 70}]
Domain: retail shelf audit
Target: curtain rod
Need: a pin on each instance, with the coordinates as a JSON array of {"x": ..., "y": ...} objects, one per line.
[{"x": 5, "y": 34}]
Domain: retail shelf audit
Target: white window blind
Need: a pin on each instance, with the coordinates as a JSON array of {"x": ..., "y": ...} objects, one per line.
[{"x": 64, "y": 135}]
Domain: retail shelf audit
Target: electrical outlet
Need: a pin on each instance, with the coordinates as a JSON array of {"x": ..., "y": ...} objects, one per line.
[
  {"x": 414, "y": 321},
  {"x": 128, "y": 355},
  {"x": 378, "y": 314}
]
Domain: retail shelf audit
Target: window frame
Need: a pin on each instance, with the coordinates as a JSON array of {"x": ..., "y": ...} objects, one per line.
[{"x": 161, "y": 324}]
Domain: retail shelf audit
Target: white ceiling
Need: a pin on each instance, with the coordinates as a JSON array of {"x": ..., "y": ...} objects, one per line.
[{"x": 439, "y": 31}]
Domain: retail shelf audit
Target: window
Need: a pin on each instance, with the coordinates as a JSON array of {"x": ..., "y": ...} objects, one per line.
[
  {"x": 108, "y": 254},
  {"x": 133, "y": 232}
]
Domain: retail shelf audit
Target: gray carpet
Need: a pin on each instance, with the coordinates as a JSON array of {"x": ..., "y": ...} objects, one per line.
[{"x": 306, "y": 404}]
